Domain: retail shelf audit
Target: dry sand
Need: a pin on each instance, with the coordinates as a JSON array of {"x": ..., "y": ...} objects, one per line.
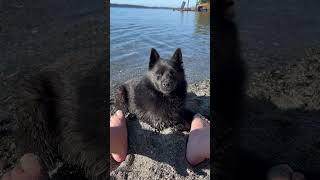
[
  {"x": 161, "y": 155},
  {"x": 152, "y": 154},
  {"x": 282, "y": 116},
  {"x": 282, "y": 111},
  {"x": 280, "y": 46}
]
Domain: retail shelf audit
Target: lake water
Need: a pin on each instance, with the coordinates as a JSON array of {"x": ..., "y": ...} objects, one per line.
[{"x": 134, "y": 31}]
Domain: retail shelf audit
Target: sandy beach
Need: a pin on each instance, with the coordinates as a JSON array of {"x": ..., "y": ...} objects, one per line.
[
  {"x": 282, "y": 107},
  {"x": 161, "y": 155}
]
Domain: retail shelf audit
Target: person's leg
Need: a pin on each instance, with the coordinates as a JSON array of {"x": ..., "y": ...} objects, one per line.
[
  {"x": 198, "y": 146},
  {"x": 118, "y": 137},
  {"x": 28, "y": 168}
]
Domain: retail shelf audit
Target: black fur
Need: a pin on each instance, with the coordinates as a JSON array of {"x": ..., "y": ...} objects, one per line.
[
  {"x": 61, "y": 114},
  {"x": 158, "y": 98}
]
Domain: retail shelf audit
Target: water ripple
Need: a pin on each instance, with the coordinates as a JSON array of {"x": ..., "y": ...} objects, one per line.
[{"x": 135, "y": 31}]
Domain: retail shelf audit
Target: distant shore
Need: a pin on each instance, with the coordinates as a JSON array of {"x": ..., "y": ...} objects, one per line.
[{"x": 138, "y": 6}]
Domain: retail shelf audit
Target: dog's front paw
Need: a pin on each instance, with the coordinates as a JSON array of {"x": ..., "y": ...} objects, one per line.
[
  {"x": 183, "y": 127},
  {"x": 121, "y": 100}
]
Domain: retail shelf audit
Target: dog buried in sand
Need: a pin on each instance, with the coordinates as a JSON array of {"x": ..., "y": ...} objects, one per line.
[{"x": 158, "y": 98}]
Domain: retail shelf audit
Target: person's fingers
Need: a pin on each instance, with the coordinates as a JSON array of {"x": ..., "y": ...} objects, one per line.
[{"x": 280, "y": 172}]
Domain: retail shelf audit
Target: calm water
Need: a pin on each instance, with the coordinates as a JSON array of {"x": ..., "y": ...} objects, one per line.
[{"x": 134, "y": 31}]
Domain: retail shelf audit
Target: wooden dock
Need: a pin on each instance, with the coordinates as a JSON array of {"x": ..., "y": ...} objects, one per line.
[{"x": 184, "y": 9}]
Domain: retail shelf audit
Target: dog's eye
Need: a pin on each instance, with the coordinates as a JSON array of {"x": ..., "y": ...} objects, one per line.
[{"x": 158, "y": 75}]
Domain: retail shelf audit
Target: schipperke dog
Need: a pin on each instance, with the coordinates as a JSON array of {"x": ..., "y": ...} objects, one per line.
[{"x": 158, "y": 98}]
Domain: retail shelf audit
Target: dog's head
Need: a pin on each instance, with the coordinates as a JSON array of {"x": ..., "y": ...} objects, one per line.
[{"x": 166, "y": 75}]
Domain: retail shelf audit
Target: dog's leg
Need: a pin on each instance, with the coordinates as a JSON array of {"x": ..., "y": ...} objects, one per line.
[
  {"x": 121, "y": 100},
  {"x": 187, "y": 117}
]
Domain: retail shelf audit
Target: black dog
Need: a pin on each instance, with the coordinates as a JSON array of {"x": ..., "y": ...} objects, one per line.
[
  {"x": 158, "y": 98},
  {"x": 61, "y": 115}
]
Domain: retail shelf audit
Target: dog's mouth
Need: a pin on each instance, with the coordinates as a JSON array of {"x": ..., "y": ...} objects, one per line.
[{"x": 166, "y": 91}]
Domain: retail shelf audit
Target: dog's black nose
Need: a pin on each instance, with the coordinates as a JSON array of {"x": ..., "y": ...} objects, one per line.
[{"x": 166, "y": 84}]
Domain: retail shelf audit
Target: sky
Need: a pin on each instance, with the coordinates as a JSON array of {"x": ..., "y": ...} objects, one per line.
[{"x": 164, "y": 3}]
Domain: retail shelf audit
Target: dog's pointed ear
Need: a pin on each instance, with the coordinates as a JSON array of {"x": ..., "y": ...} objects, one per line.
[
  {"x": 177, "y": 56},
  {"x": 154, "y": 57}
]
